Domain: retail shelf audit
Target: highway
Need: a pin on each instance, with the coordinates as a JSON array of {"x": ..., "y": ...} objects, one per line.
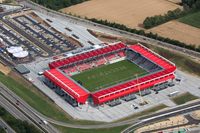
[
  {"x": 6, "y": 127},
  {"x": 108, "y": 30},
  {"x": 163, "y": 114},
  {"x": 38, "y": 117},
  {"x": 12, "y": 109},
  {"x": 23, "y": 107}
]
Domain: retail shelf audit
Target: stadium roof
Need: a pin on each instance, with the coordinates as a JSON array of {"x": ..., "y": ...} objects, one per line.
[
  {"x": 83, "y": 56},
  {"x": 22, "y": 69},
  {"x": 142, "y": 82},
  {"x": 110, "y": 93},
  {"x": 133, "y": 85},
  {"x": 152, "y": 56},
  {"x": 67, "y": 85}
]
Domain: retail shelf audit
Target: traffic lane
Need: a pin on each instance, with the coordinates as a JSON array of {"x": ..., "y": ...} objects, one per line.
[
  {"x": 12, "y": 109},
  {"x": 17, "y": 111},
  {"x": 170, "y": 110},
  {"x": 27, "y": 110},
  {"x": 163, "y": 116},
  {"x": 6, "y": 127}
]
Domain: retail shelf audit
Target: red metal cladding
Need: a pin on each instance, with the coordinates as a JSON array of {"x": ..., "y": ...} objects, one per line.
[
  {"x": 67, "y": 85},
  {"x": 93, "y": 53},
  {"x": 151, "y": 56},
  {"x": 143, "y": 83},
  {"x": 102, "y": 96},
  {"x": 131, "y": 86}
]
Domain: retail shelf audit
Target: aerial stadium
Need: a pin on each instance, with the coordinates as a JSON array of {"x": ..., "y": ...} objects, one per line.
[{"x": 109, "y": 74}]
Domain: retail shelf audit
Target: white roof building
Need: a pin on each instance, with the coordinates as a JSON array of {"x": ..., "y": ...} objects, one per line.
[{"x": 17, "y": 51}]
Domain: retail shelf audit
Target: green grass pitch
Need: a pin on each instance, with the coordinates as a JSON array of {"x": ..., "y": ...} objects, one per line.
[
  {"x": 108, "y": 75},
  {"x": 192, "y": 19}
]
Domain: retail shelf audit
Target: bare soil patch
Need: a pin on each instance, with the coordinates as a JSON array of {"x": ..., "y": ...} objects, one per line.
[{"x": 4, "y": 69}]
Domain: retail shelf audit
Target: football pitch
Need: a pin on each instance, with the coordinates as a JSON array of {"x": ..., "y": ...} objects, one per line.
[{"x": 108, "y": 75}]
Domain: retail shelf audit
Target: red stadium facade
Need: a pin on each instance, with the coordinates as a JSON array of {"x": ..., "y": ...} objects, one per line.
[{"x": 160, "y": 71}]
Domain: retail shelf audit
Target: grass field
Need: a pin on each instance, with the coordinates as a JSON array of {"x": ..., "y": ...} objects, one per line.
[
  {"x": 108, "y": 75},
  {"x": 183, "y": 62},
  {"x": 184, "y": 98},
  {"x": 34, "y": 98},
  {"x": 75, "y": 130},
  {"x": 192, "y": 19}
]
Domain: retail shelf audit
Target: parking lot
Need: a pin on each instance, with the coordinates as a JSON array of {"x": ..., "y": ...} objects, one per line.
[
  {"x": 11, "y": 38},
  {"x": 45, "y": 35},
  {"x": 29, "y": 31}
]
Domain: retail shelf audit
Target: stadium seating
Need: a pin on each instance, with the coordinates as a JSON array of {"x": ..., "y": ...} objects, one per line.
[
  {"x": 143, "y": 62},
  {"x": 100, "y": 61},
  {"x": 84, "y": 66},
  {"x": 121, "y": 54},
  {"x": 159, "y": 70},
  {"x": 87, "y": 55},
  {"x": 70, "y": 69},
  {"x": 110, "y": 57}
]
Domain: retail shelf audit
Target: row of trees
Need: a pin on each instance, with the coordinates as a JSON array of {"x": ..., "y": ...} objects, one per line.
[
  {"x": 194, "y": 4},
  {"x": 150, "y": 22},
  {"x": 57, "y": 4},
  {"x": 189, "y": 6},
  {"x": 18, "y": 125},
  {"x": 150, "y": 35}
]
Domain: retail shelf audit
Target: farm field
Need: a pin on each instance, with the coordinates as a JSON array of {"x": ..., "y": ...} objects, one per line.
[
  {"x": 175, "y": 1},
  {"x": 178, "y": 31},
  {"x": 192, "y": 19},
  {"x": 131, "y": 13},
  {"x": 108, "y": 75}
]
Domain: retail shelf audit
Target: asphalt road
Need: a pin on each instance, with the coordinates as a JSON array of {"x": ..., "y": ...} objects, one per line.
[
  {"x": 164, "y": 115},
  {"x": 150, "y": 118},
  {"x": 12, "y": 109},
  {"x": 6, "y": 127},
  {"x": 28, "y": 111}
]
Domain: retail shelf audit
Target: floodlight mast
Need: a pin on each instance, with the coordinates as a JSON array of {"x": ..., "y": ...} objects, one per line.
[{"x": 141, "y": 98}]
